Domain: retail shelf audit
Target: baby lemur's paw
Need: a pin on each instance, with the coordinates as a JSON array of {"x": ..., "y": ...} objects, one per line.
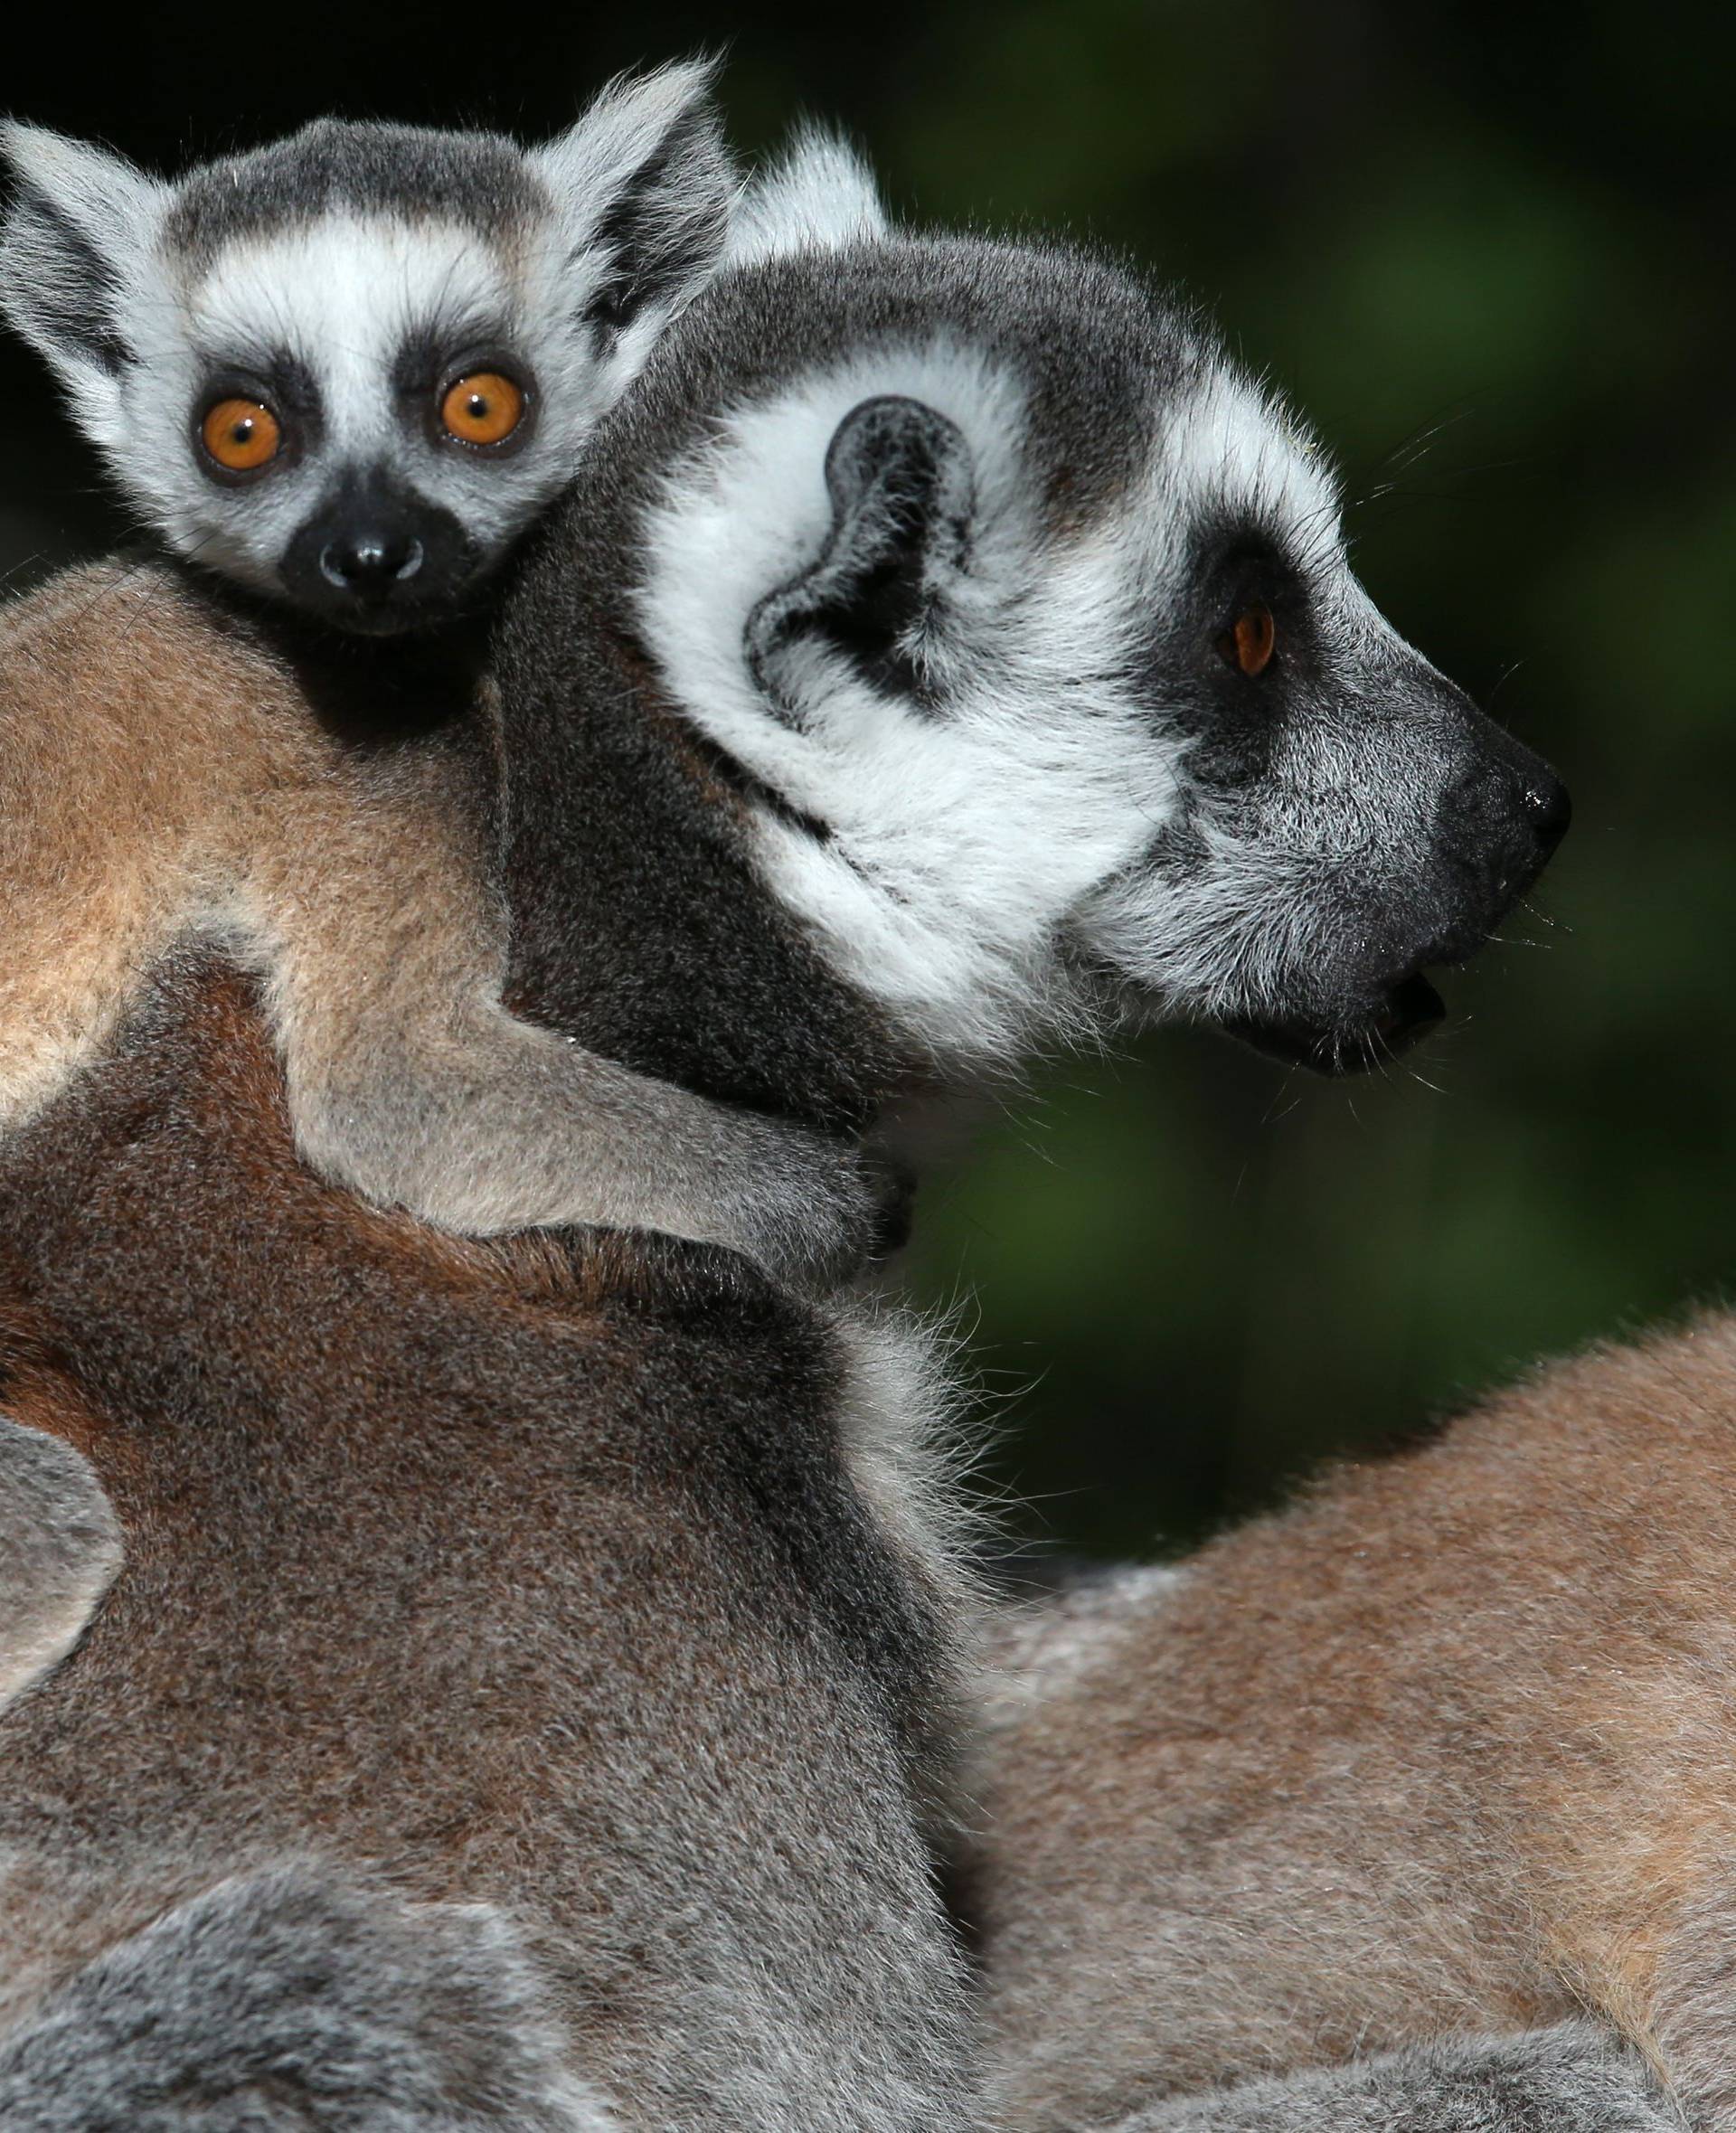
[
  {"x": 814, "y": 1209},
  {"x": 291, "y": 2002}
]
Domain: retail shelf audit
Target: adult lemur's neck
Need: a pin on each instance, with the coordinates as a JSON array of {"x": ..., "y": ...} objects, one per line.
[{"x": 638, "y": 924}]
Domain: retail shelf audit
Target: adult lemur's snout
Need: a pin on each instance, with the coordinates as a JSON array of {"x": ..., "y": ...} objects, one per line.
[
  {"x": 1504, "y": 816},
  {"x": 1500, "y": 814},
  {"x": 1377, "y": 827}
]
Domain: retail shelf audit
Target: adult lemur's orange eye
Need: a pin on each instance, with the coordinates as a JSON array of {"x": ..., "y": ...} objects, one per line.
[
  {"x": 484, "y": 408},
  {"x": 242, "y": 434},
  {"x": 1250, "y": 643}
]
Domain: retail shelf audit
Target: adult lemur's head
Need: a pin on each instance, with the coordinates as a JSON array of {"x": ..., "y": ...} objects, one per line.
[
  {"x": 349, "y": 368},
  {"x": 1019, "y": 623}
]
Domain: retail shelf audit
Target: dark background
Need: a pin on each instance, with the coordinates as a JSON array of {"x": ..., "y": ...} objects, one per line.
[{"x": 1487, "y": 248}]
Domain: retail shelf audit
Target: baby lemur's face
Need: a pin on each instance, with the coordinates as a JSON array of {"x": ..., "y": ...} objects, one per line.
[
  {"x": 347, "y": 370},
  {"x": 363, "y": 412}
]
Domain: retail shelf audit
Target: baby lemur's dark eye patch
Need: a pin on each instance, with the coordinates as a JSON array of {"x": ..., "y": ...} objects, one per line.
[
  {"x": 1250, "y": 640},
  {"x": 241, "y": 435}
]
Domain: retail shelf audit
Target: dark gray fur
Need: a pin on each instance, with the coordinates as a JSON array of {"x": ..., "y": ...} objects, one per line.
[
  {"x": 1571, "y": 2078},
  {"x": 287, "y": 2002},
  {"x": 355, "y": 167}
]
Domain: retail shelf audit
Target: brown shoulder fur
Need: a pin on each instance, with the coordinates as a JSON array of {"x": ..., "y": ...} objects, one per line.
[
  {"x": 470, "y": 1580},
  {"x": 1448, "y": 1744}
]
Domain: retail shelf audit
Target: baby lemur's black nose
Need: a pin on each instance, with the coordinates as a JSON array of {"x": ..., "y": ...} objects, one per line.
[
  {"x": 370, "y": 560},
  {"x": 375, "y": 556}
]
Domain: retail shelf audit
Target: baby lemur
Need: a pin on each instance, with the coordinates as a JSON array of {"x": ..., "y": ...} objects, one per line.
[
  {"x": 943, "y": 647},
  {"x": 345, "y": 279},
  {"x": 347, "y": 370},
  {"x": 1445, "y": 1747}
]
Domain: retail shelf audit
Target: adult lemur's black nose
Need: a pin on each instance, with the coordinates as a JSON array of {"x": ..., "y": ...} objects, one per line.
[
  {"x": 1502, "y": 818},
  {"x": 1544, "y": 803},
  {"x": 370, "y": 560}
]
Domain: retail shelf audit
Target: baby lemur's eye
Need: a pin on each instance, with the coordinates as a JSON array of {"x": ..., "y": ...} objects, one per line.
[
  {"x": 483, "y": 409},
  {"x": 1250, "y": 642},
  {"x": 242, "y": 434}
]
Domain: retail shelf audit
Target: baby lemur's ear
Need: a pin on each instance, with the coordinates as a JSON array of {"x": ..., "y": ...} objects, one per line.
[
  {"x": 900, "y": 480},
  {"x": 645, "y": 186},
  {"x": 79, "y": 228}
]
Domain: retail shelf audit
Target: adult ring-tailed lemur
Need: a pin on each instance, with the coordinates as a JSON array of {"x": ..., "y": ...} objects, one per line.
[{"x": 938, "y": 649}]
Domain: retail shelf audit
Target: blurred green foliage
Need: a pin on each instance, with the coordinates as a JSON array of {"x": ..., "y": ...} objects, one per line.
[{"x": 1488, "y": 250}]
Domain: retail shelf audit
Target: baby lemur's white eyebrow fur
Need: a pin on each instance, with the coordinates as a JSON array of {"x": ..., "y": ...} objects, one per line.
[{"x": 171, "y": 776}]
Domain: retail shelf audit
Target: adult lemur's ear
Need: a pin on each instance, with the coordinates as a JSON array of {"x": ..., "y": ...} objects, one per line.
[
  {"x": 646, "y": 185},
  {"x": 78, "y": 229},
  {"x": 899, "y": 476}
]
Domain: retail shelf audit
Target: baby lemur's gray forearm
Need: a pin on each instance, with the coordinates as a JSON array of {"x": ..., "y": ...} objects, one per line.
[
  {"x": 368, "y": 915},
  {"x": 488, "y": 1124}
]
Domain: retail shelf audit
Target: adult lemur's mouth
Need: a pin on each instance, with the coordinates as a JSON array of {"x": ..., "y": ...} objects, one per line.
[
  {"x": 1409, "y": 1011},
  {"x": 1409, "y": 1008}
]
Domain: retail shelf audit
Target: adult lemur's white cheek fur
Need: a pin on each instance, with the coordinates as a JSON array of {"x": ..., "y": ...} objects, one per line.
[{"x": 349, "y": 369}]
